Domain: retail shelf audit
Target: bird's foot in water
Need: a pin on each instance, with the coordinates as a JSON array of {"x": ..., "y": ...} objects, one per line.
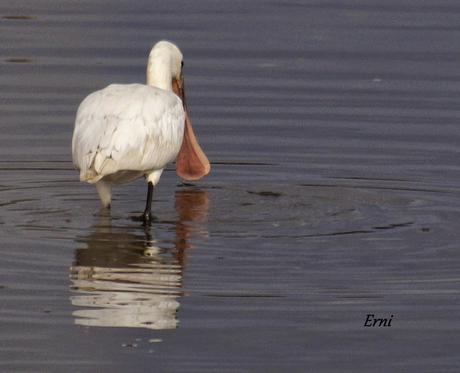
[{"x": 145, "y": 218}]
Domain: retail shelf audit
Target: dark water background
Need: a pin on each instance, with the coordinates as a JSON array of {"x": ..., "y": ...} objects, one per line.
[{"x": 333, "y": 129}]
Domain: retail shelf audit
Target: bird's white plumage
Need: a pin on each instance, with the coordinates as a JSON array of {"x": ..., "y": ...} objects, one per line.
[{"x": 126, "y": 131}]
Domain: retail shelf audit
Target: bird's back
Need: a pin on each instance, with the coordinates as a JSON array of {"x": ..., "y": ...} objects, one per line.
[{"x": 131, "y": 127}]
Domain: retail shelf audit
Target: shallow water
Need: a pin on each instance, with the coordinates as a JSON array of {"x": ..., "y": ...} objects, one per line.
[{"x": 333, "y": 132}]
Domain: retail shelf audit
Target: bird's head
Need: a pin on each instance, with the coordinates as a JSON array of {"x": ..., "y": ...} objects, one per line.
[
  {"x": 164, "y": 65},
  {"x": 165, "y": 71}
]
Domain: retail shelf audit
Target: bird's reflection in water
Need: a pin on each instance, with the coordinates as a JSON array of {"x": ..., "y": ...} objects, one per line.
[{"x": 123, "y": 279}]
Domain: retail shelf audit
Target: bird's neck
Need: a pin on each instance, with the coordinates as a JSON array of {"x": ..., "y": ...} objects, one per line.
[{"x": 159, "y": 74}]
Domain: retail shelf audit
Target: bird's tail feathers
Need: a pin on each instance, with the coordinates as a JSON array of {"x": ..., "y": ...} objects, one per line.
[
  {"x": 90, "y": 176},
  {"x": 89, "y": 173}
]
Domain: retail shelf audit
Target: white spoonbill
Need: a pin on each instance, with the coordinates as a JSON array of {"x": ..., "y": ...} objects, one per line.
[{"x": 126, "y": 131}]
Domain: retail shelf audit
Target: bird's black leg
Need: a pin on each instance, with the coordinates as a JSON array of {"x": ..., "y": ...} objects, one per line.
[{"x": 147, "y": 216}]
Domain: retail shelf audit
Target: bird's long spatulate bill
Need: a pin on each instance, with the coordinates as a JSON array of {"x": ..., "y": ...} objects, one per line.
[{"x": 191, "y": 162}]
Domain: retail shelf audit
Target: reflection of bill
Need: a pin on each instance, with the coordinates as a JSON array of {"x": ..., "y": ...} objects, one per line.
[{"x": 124, "y": 280}]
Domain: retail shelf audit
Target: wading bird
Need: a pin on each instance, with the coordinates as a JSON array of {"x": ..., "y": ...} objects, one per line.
[{"x": 126, "y": 131}]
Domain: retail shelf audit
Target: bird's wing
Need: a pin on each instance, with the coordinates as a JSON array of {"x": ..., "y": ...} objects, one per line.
[{"x": 126, "y": 127}]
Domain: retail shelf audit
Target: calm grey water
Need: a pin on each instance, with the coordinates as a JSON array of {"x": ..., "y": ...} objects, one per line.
[{"x": 333, "y": 130}]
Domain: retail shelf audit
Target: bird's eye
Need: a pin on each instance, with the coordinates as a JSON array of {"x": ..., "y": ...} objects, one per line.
[{"x": 182, "y": 64}]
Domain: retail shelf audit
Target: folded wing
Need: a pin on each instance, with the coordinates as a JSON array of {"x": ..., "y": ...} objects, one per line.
[{"x": 126, "y": 128}]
